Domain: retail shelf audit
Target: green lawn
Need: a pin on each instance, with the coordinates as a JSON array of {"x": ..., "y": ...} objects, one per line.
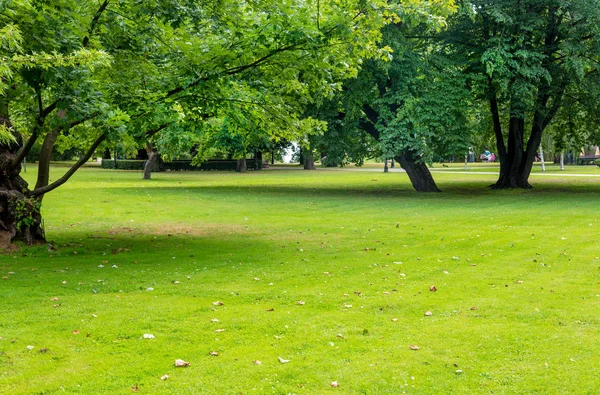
[{"x": 330, "y": 270}]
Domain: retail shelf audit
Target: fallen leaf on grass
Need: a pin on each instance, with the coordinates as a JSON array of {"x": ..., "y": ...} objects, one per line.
[
  {"x": 165, "y": 377},
  {"x": 76, "y": 332},
  {"x": 148, "y": 336},
  {"x": 300, "y": 302},
  {"x": 433, "y": 288},
  {"x": 334, "y": 384},
  {"x": 474, "y": 308},
  {"x": 215, "y": 353},
  {"x": 428, "y": 314},
  {"x": 63, "y": 282},
  {"x": 135, "y": 388},
  {"x": 271, "y": 309},
  {"x": 283, "y": 360},
  {"x": 214, "y": 320},
  {"x": 394, "y": 319},
  {"x": 414, "y": 347},
  {"x": 218, "y": 303},
  {"x": 43, "y": 350},
  {"x": 220, "y": 330},
  {"x": 180, "y": 363},
  {"x": 54, "y": 299},
  {"x": 30, "y": 347}
]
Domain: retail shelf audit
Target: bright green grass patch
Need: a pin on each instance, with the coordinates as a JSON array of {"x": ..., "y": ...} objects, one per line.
[{"x": 516, "y": 309}]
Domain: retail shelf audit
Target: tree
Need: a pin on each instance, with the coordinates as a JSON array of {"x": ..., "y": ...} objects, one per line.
[
  {"x": 413, "y": 103},
  {"x": 100, "y": 72},
  {"x": 525, "y": 56}
]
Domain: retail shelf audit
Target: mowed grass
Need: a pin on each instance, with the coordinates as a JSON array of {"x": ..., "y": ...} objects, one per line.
[{"x": 330, "y": 270}]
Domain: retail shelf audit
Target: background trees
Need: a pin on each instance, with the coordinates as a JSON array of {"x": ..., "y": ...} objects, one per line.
[{"x": 106, "y": 71}]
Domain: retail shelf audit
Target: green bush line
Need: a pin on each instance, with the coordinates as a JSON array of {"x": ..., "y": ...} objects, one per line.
[{"x": 178, "y": 165}]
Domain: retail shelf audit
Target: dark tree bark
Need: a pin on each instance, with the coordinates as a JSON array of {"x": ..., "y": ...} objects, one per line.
[
  {"x": 241, "y": 166},
  {"x": 258, "y": 157},
  {"x": 418, "y": 173},
  {"x": 308, "y": 159},
  {"x": 20, "y": 216},
  {"x": 153, "y": 163}
]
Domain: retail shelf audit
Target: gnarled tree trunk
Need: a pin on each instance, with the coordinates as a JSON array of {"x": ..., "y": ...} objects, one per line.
[
  {"x": 20, "y": 216},
  {"x": 153, "y": 162}
]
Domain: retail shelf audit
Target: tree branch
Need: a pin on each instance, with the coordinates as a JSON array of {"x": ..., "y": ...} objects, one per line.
[
  {"x": 48, "y": 188},
  {"x": 95, "y": 20}
]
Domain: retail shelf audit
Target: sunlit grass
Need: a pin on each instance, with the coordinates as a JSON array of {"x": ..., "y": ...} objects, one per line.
[{"x": 517, "y": 275}]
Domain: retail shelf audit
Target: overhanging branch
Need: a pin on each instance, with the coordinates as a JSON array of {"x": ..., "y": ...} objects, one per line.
[{"x": 43, "y": 190}]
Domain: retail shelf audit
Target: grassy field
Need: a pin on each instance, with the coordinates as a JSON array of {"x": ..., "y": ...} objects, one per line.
[{"x": 331, "y": 271}]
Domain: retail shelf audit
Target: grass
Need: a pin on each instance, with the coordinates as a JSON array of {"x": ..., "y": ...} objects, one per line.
[{"x": 517, "y": 275}]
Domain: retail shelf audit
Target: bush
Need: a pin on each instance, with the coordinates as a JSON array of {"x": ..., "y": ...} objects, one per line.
[
  {"x": 179, "y": 165},
  {"x": 124, "y": 164}
]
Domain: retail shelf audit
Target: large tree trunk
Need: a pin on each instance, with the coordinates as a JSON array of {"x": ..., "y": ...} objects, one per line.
[
  {"x": 308, "y": 159},
  {"x": 517, "y": 161},
  {"x": 20, "y": 216},
  {"x": 418, "y": 173},
  {"x": 153, "y": 162},
  {"x": 241, "y": 166}
]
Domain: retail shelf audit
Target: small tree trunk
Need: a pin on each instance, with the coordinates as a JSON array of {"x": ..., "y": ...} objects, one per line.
[
  {"x": 418, "y": 173},
  {"x": 241, "y": 166},
  {"x": 542, "y": 158},
  {"x": 153, "y": 162},
  {"x": 393, "y": 164},
  {"x": 272, "y": 157},
  {"x": 385, "y": 166},
  {"x": 309, "y": 160},
  {"x": 562, "y": 160}
]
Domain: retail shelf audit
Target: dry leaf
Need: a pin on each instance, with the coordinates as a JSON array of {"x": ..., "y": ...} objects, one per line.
[
  {"x": 215, "y": 353},
  {"x": 148, "y": 336},
  {"x": 76, "y": 332},
  {"x": 214, "y": 320},
  {"x": 433, "y": 288},
  {"x": 43, "y": 350},
  {"x": 271, "y": 309},
  {"x": 218, "y": 303},
  {"x": 334, "y": 384},
  {"x": 54, "y": 299},
  {"x": 135, "y": 388},
  {"x": 414, "y": 347},
  {"x": 30, "y": 347},
  {"x": 64, "y": 282},
  {"x": 300, "y": 302},
  {"x": 474, "y": 308},
  {"x": 180, "y": 363},
  {"x": 394, "y": 319},
  {"x": 428, "y": 313},
  {"x": 257, "y": 362},
  {"x": 283, "y": 360},
  {"x": 220, "y": 330},
  {"x": 165, "y": 377}
]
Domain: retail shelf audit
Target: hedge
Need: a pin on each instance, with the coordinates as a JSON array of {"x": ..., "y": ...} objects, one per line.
[{"x": 178, "y": 165}]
